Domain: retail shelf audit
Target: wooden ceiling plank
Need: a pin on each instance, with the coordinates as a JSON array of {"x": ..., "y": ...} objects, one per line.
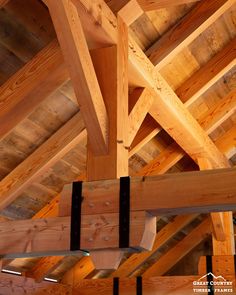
[
  {"x": 24, "y": 91},
  {"x": 76, "y": 53},
  {"x": 209, "y": 121},
  {"x": 67, "y": 137},
  {"x": 176, "y": 253},
  {"x": 204, "y": 14},
  {"x": 208, "y": 74},
  {"x": 165, "y": 234}
]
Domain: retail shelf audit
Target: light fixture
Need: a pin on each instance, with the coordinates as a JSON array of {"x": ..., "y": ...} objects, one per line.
[
  {"x": 11, "y": 272},
  {"x": 50, "y": 280}
]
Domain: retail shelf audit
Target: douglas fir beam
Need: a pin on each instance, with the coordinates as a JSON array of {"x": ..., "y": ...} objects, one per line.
[
  {"x": 158, "y": 4},
  {"x": 13, "y": 284},
  {"x": 227, "y": 142},
  {"x": 173, "y": 285},
  {"x": 140, "y": 102},
  {"x": 208, "y": 74},
  {"x": 204, "y": 14},
  {"x": 223, "y": 238},
  {"x": 67, "y": 137},
  {"x": 208, "y": 121},
  {"x": 165, "y": 234},
  {"x": 76, "y": 53},
  {"x": 191, "y": 89},
  {"x": 182, "y": 248},
  {"x": 24, "y": 91},
  {"x": 151, "y": 194}
]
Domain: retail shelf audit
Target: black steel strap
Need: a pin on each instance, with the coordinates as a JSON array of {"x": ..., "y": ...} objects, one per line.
[
  {"x": 115, "y": 286},
  {"x": 139, "y": 286},
  {"x": 209, "y": 276},
  {"x": 124, "y": 217},
  {"x": 76, "y": 215}
]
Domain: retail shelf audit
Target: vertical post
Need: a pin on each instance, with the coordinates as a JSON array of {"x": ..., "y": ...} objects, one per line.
[{"x": 111, "y": 66}]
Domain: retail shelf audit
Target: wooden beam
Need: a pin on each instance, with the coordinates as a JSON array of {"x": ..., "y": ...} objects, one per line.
[
  {"x": 79, "y": 272},
  {"x": 172, "y": 115},
  {"x": 158, "y": 4},
  {"x": 227, "y": 142},
  {"x": 218, "y": 222},
  {"x": 158, "y": 195},
  {"x": 13, "y": 284},
  {"x": 200, "y": 81},
  {"x": 173, "y": 285},
  {"x": 176, "y": 253},
  {"x": 208, "y": 121},
  {"x": 208, "y": 74},
  {"x": 76, "y": 53},
  {"x": 148, "y": 130},
  {"x": 226, "y": 247},
  {"x": 31, "y": 85},
  {"x": 152, "y": 194},
  {"x": 204, "y": 14},
  {"x": 165, "y": 234},
  {"x": 44, "y": 268},
  {"x": 147, "y": 5},
  {"x": 141, "y": 100},
  {"x": 51, "y": 236},
  {"x": 67, "y": 137},
  {"x": 166, "y": 104}
]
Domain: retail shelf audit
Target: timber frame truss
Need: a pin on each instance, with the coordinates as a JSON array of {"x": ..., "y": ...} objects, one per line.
[{"x": 102, "y": 60}]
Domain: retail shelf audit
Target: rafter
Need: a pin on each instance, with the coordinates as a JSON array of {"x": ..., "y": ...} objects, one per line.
[
  {"x": 176, "y": 253},
  {"x": 31, "y": 85},
  {"x": 204, "y": 14},
  {"x": 53, "y": 149},
  {"x": 79, "y": 272},
  {"x": 208, "y": 74}
]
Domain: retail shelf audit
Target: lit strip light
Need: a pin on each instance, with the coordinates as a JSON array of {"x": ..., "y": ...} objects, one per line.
[
  {"x": 50, "y": 280},
  {"x": 12, "y": 272}
]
